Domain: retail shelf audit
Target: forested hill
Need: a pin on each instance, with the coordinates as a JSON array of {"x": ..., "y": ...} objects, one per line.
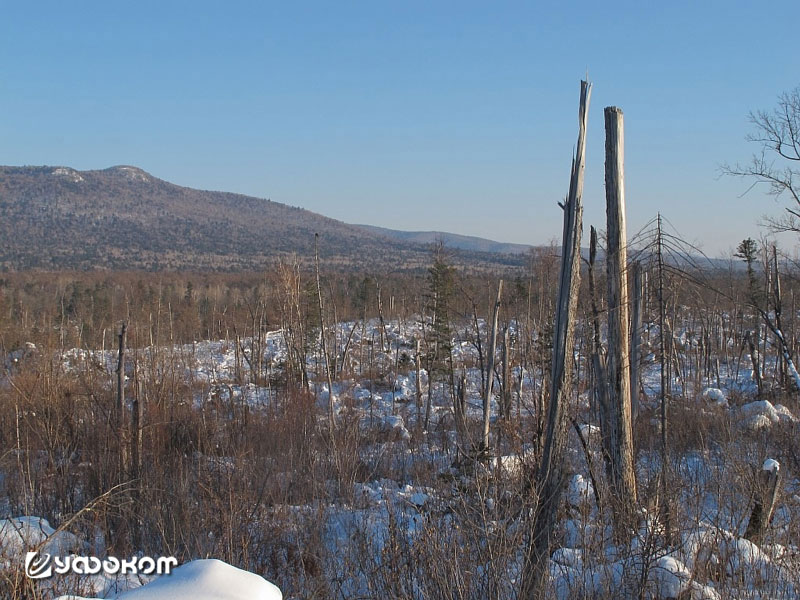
[{"x": 124, "y": 218}]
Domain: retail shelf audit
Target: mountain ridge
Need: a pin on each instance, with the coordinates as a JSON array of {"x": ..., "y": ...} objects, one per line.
[
  {"x": 451, "y": 240},
  {"x": 121, "y": 217}
]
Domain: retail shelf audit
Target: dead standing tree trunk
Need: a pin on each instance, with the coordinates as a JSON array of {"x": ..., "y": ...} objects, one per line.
[
  {"x": 665, "y": 508},
  {"x": 777, "y": 303},
  {"x": 636, "y": 337},
  {"x": 487, "y": 393},
  {"x": 331, "y": 414},
  {"x": 599, "y": 379},
  {"x": 123, "y": 458},
  {"x": 137, "y": 422},
  {"x": 418, "y": 383},
  {"x": 549, "y": 481},
  {"x": 767, "y": 486},
  {"x": 505, "y": 406},
  {"x": 618, "y": 436},
  {"x": 776, "y": 328}
]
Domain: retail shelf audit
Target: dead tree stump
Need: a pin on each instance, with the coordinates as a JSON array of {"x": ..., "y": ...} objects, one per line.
[{"x": 767, "y": 485}]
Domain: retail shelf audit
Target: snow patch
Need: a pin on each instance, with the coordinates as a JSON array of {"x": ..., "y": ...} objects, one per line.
[
  {"x": 744, "y": 559},
  {"x": 715, "y": 395},
  {"x": 67, "y": 173},
  {"x": 589, "y": 432},
  {"x": 207, "y": 579},
  {"x": 394, "y": 425},
  {"x": 580, "y": 491},
  {"x": 18, "y": 535},
  {"x": 132, "y": 173},
  {"x": 758, "y": 415},
  {"x": 671, "y": 577},
  {"x": 569, "y": 557},
  {"x": 784, "y": 414}
]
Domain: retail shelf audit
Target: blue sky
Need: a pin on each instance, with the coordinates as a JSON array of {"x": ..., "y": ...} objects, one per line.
[{"x": 456, "y": 116}]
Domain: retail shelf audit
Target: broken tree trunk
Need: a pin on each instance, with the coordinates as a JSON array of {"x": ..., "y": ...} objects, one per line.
[
  {"x": 487, "y": 393},
  {"x": 784, "y": 348},
  {"x": 549, "y": 480},
  {"x": 619, "y": 436},
  {"x": 751, "y": 337},
  {"x": 768, "y": 481}
]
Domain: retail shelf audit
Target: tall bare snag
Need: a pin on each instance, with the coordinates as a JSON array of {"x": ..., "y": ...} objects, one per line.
[{"x": 550, "y": 477}]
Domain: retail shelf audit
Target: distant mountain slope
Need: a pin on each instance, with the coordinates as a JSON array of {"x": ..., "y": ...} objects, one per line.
[
  {"x": 451, "y": 240},
  {"x": 124, "y": 218}
]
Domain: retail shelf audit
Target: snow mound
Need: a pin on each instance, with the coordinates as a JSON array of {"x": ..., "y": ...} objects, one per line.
[
  {"x": 671, "y": 577},
  {"x": 698, "y": 546},
  {"x": 207, "y": 579},
  {"x": 784, "y": 414},
  {"x": 715, "y": 395},
  {"x": 667, "y": 578},
  {"x": 744, "y": 559},
  {"x": 394, "y": 426},
  {"x": 755, "y": 422},
  {"x": 757, "y": 415},
  {"x": 20, "y": 534}
]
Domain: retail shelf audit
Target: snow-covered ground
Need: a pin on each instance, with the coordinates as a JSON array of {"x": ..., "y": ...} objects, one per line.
[{"x": 377, "y": 382}]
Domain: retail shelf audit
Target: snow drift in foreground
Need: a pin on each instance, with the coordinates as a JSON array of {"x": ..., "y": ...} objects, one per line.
[{"x": 207, "y": 579}]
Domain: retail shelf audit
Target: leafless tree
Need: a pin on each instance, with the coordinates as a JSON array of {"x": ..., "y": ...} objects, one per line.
[{"x": 777, "y": 164}]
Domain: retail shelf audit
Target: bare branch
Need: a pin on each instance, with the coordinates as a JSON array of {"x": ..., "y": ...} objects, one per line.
[{"x": 778, "y": 133}]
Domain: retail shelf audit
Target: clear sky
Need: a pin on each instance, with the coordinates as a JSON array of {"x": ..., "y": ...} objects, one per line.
[{"x": 456, "y": 116}]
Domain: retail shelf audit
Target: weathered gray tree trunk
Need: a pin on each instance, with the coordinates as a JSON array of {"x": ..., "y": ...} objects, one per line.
[
  {"x": 384, "y": 338},
  {"x": 620, "y": 431},
  {"x": 549, "y": 479},
  {"x": 487, "y": 393},
  {"x": 751, "y": 337}
]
